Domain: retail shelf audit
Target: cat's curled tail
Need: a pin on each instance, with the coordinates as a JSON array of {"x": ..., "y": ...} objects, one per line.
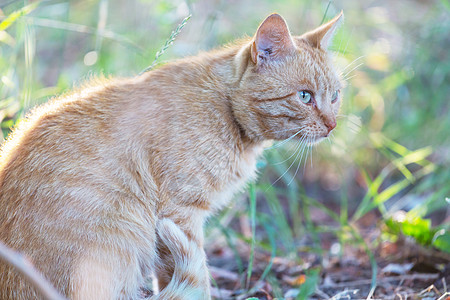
[{"x": 189, "y": 280}]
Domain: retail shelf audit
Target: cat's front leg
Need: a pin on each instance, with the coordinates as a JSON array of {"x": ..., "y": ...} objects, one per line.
[{"x": 181, "y": 266}]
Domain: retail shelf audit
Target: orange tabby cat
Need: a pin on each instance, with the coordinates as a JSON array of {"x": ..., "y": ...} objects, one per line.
[{"x": 105, "y": 186}]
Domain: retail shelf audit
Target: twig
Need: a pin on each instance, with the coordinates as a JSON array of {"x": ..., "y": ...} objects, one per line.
[
  {"x": 387, "y": 279},
  {"x": 429, "y": 289},
  {"x": 25, "y": 268},
  {"x": 347, "y": 294}
]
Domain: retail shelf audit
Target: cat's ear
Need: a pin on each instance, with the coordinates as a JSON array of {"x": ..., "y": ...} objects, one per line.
[
  {"x": 272, "y": 41},
  {"x": 322, "y": 36}
]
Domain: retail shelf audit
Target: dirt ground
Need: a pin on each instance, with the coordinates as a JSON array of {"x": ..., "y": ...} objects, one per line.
[{"x": 404, "y": 270}]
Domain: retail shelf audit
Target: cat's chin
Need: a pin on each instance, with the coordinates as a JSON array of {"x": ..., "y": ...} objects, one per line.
[{"x": 315, "y": 141}]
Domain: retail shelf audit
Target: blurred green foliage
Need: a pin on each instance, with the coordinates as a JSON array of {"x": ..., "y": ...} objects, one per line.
[
  {"x": 390, "y": 152},
  {"x": 309, "y": 287},
  {"x": 421, "y": 230}
]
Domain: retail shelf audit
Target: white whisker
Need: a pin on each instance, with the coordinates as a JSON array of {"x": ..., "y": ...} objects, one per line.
[
  {"x": 354, "y": 123},
  {"x": 348, "y": 78},
  {"x": 306, "y": 158},
  {"x": 355, "y": 60},
  {"x": 351, "y": 70},
  {"x": 311, "y": 151},
  {"x": 331, "y": 135},
  {"x": 286, "y": 140},
  {"x": 299, "y": 164},
  {"x": 295, "y": 151},
  {"x": 295, "y": 159}
]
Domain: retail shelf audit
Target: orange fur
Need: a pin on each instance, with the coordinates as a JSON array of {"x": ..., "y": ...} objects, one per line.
[{"x": 85, "y": 178}]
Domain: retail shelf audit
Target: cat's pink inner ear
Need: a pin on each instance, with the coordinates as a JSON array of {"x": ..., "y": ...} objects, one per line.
[
  {"x": 272, "y": 40},
  {"x": 322, "y": 36}
]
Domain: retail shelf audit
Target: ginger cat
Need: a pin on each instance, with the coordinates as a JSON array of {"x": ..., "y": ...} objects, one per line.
[{"x": 105, "y": 186}]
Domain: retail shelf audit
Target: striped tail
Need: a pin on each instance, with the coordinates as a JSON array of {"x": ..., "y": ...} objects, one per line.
[{"x": 190, "y": 279}]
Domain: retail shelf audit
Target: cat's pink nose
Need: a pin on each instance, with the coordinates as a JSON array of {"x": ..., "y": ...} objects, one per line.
[{"x": 330, "y": 124}]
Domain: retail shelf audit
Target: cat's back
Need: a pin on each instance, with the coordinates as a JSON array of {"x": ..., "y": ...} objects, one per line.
[
  {"x": 62, "y": 149},
  {"x": 104, "y": 123},
  {"x": 50, "y": 131}
]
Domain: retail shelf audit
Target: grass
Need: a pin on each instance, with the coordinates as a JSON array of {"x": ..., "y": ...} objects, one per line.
[
  {"x": 389, "y": 153},
  {"x": 168, "y": 43},
  {"x": 252, "y": 215}
]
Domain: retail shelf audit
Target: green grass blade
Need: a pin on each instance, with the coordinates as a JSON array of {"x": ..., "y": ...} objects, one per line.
[
  {"x": 326, "y": 11},
  {"x": 310, "y": 228},
  {"x": 252, "y": 213},
  {"x": 14, "y": 16},
  {"x": 279, "y": 217},
  {"x": 271, "y": 234},
  {"x": 373, "y": 197},
  {"x": 309, "y": 286},
  {"x": 373, "y": 263}
]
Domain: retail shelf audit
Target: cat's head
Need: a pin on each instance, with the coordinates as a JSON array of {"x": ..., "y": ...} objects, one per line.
[{"x": 289, "y": 85}]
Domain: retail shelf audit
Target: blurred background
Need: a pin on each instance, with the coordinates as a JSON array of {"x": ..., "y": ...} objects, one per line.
[{"x": 379, "y": 186}]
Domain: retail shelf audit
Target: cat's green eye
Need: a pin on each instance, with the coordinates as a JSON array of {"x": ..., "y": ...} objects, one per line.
[
  {"x": 305, "y": 96},
  {"x": 335, "y": 96}
]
